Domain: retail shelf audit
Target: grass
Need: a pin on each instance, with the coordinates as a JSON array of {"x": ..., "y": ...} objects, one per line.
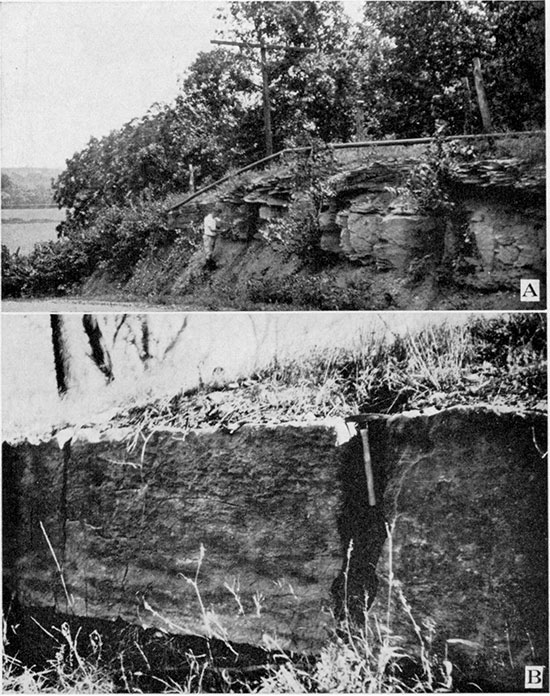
[
  {"x": 367, "y": 658},
  {"x": 67, "y": 673},
  {"x": 499, "y": 361},
  {"x": 355, "y": 659}
]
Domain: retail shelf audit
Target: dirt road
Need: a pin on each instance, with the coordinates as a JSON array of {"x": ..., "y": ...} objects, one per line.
[{"x": 91, "y": 305}]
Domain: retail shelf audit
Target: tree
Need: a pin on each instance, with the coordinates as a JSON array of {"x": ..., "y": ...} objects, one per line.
[
  {"x": 139, "y": 161},
  {"x": 515, "y": 74},
  {"x": 150, "y": 157},
  {"x": 420, "y": 52},
  {"x": 405, "y": 67},
  {"x": 220, "y": 107},
  {"x": 311, "y": 93},
  {"x": 8, "y": 190},
  {"x": 7, "y": 183}
]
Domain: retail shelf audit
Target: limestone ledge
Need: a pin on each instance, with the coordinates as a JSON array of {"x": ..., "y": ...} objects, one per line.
[{"x": 343, "y": 429}]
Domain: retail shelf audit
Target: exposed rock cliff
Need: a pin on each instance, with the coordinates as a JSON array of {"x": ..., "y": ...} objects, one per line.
[
  {"x": 370, "y": 225},
  {"x": 463, "y": 492}
]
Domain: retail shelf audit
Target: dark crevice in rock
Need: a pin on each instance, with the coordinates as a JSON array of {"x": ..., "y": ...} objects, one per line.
[
  {"x": 362, "y": 527},
  {"x": 65, "y": 463},
  {"x": 12, "y": 471}
]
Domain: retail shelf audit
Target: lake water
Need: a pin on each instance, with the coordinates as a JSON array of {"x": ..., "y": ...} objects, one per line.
[{"x": 22, "y": 228}]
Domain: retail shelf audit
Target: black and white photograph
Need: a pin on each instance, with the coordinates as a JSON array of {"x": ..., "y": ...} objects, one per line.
[
  {"x": 274, "y": 353},
  {"x": 274, "y": 503},
  {"x": 273, "y": 156}
]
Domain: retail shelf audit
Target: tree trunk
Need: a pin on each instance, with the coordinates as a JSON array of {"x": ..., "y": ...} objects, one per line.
[{"x": 482, "y": 97}]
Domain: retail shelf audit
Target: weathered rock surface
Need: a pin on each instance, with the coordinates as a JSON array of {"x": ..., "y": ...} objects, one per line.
[
  {"x": 129, "y": 526},
  {"x": 509, "y": 236},
  {"x": 463, "y": 492},
  {"x": 464, "y": 495},
  {"x": 392, "y": 241},
  {"x": 501, "y": 201},
  {"x": 368, "y": 219}
]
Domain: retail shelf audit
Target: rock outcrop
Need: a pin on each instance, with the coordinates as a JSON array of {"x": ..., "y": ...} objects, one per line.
[
  {"x": 128, "y": 528},
  {"x": 368, "y": 219},
  {"x": 456, "y": 540},
  {"x": 464, "y": 504}
]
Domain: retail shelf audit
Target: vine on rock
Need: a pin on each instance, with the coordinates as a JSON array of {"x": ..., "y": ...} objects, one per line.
[
  {"x": 429, "y": 186},
  {"x": 299, "y": 233}
]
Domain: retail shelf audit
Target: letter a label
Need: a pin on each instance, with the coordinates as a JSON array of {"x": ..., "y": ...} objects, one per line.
[{"x": 529, "y": 290}]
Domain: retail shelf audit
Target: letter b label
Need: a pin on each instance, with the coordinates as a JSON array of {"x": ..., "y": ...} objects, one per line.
[{"x": 533, "y": 677}]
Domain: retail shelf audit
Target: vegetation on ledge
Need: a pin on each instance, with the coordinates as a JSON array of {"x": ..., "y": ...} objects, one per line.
[{"x": 499, "y": 361}]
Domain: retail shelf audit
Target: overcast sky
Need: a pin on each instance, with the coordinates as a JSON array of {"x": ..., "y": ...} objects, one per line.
[{"x": 75, "y": 69}]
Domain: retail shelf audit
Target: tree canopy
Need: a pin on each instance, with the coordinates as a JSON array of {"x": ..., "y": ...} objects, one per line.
[{"x": 403, "y": 67}]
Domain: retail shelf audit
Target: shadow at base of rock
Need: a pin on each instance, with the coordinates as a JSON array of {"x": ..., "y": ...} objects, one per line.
[
  {"x": 147, "y": 660},
  {"x": 136, "y": 659}
]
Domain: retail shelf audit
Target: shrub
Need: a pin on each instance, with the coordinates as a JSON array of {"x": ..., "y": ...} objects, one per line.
[
  {"x": 119, "y": 238},
  {"x": 155, "y": 272},
  {"x": 310, "y": 292},
  {"x": 504, "y": 340},
  {"x": 126, "y": 234},
  {"x": 57, "y": 267},
  {"x": 15, "y": 273},
  {"x": 298, "y": 233}
]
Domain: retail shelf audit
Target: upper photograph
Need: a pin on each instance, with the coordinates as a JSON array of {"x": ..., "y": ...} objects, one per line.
[{"x": 265, "y": 156}]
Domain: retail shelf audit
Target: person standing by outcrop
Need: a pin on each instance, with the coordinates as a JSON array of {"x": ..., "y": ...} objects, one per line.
[{"x": 211, "y": 224}]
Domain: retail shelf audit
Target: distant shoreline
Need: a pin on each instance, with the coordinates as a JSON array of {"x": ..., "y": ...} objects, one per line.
[{"x": 26, "y": 207}]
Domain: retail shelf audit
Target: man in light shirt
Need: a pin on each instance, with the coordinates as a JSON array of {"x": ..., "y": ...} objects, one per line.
[{"x": 210, "y": 232}]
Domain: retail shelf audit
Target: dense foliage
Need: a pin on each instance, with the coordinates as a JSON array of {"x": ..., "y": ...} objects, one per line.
[
  {"x": 118, "y": 239},
  {"x": 311, "y": 82},
  {"x": 417, "y": 76},
  {"x": 413, "y": 78},
  {"x": 398, "y": 72}
]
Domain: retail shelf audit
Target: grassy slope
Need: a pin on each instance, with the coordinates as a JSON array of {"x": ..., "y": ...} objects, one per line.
[{"x": 499, "y": 361}]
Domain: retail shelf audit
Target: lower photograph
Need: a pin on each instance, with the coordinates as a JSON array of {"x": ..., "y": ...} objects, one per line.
[{"x": 275, "y": 502}]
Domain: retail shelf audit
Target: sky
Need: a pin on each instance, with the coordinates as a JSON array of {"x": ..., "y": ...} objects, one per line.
[
  {"x": 226, "y": 344},
  {"x": 74, "y": 69}
]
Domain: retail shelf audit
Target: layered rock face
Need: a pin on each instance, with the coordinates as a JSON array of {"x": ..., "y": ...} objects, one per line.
[
  {"x": 455, "y": 543},
  {"x": 368, "y": 219},
  {"x": 380, "y": 228},
  {"x": 499, "y": 206}
]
